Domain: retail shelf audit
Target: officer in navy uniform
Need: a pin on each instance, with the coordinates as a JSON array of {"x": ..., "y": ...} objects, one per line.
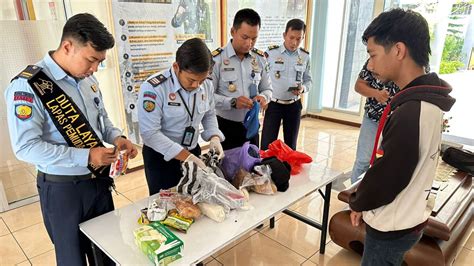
[
  {"x": 63, "y": 136},
  {"x": 291, "y": 77},
  {"x": 172, "y": 106},
  {"x": 240, "y": 77}
]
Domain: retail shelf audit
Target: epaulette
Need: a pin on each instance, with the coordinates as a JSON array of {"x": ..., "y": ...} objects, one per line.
[
  {"x": 259, "y": 52},
  {"x": 302, "y": 49},
  {"x": 275, "y": 46},
  {"x": 217, "y": 52},
  {"x": 209, "y": 77},
  {"x": 155, "y": 81},
  {"x": 29, "y": 72}
]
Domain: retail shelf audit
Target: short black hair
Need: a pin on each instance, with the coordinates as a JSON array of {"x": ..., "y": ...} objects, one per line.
[
  {"x": 194, "y": 56},
  {"x": 406, "y": 26},
  {"x": 295, "y": 24},
  {"x": 85, "y": 28},
  {"x": 248, "y": 16}
]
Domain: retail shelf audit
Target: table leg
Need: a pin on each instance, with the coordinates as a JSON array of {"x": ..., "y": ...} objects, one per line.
[
  {"x": 324, "y": 226},
  {"x": 272, "y": 222},
  {"x": 97, "y": 255}
]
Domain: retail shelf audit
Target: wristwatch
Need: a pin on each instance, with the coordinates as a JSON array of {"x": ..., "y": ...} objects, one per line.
[{"x": 233, "y": 103}]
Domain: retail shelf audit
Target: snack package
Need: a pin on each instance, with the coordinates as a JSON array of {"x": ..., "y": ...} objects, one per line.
[
  {"x": 158, "y": 243},
  {"x": 186, "y": 208},
  {"x": 157, "y": 210},
  {"x": 178, "y": 222},
  {"x": 261, "y": 181},
  {"x": 143, "y": 219},
  {"x": 119, "y": 167}
]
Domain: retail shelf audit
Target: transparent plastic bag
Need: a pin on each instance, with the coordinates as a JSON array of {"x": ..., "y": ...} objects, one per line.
[{"x": 209, "y": 188}]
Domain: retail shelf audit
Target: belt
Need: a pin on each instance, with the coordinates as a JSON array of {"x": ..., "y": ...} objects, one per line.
[
  {"x": 285, "y": 101},
  {"x": 65, "y": 178}
]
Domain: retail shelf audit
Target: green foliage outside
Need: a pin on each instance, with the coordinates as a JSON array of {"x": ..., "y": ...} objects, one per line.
[{"x": 451, "y": 60}]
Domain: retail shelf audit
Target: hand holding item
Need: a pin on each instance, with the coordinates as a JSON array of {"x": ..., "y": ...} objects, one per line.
[
  {"x": 196, "y": 160},
  {"x": 244, "y": 103},
  {"x": 215, "y": 143},
  {"x": 125, "y": 144},
  {"x": 261, "y": 100},
  {"x": 102, "y": 156}
]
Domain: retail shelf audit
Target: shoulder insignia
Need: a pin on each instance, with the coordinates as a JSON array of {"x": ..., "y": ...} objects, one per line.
[
  {"x": 29, "y": 72},
  {"x": 259, "y": 52},
  {"x": 302, "y": 49},
  {"x": 275, "y": 46},
  {"x": 216, "y": 52},
  {"x": 155, "y": 81}
]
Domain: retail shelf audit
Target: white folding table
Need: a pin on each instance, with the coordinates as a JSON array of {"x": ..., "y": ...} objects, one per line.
[{"x": 113, "y": 232}]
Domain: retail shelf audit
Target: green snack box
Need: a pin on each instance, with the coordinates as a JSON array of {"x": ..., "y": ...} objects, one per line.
[{"x": 158, "y": 243}]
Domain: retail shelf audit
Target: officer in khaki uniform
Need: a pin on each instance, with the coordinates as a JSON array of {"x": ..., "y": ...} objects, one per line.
[
  {"x": 240, "y": 77},
  {"x": 171, "y": 107},
  {"x": 291, "y": 77}
]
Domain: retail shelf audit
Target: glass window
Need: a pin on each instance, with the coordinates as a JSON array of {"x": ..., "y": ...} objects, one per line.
[
  {"x": 451, "y": 25},
  {"x": 345, "y": 53}
]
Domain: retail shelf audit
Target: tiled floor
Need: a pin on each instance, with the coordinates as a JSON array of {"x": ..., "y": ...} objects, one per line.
[{"x": 24, "y": 241}]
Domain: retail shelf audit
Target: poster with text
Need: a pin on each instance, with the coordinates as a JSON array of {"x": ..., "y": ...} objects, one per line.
[
  {"x": 274, "y": 15},
  {"x": 148, "y": 33}
]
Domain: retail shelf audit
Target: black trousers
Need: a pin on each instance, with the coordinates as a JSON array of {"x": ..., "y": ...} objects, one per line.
[
  {"x": 275, "y": 113},
  {"x": 159, "y": 173},
  {"x": 64, "y": 206},
  {"x": 235, "y": 134}
]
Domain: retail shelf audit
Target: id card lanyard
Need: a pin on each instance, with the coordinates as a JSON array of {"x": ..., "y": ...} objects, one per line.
[{"x": 190, "y": 130}]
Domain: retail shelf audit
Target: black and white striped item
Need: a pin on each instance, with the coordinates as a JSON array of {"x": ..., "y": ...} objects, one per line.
[
  {"x": 189, "y": 183},
  {"x": 211, "y": 159}
]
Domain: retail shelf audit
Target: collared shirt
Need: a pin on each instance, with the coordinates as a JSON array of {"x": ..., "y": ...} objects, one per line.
[
  {"x": 288, "y": 69},
  {"x": 372, "y": 107},
  {"x": 230, "y": 71},
  {"x": 163, "y": 117},
  {"x": 35, "y": 139}
]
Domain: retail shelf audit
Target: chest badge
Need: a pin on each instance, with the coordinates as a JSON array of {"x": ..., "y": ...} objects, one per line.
[
  {"x": 172, "y": 96},
  {"x": 94, "y": 88},
  {"x": 254, "y": 64},
  {"x": 226, "y": 61},
  {"x": 232, "y": 87},
  {"x": 299, "y": 61}
]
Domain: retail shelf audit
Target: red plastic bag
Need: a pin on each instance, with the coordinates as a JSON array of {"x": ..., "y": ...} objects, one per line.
[{"x": 284, "y": 153}]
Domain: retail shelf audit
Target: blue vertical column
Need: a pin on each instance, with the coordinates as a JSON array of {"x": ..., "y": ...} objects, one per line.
[{"x": 317, "y": 48}]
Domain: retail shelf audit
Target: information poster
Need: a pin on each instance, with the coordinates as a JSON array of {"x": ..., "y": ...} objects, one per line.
[
  {"x": 274, "y": 15},
  {"x": 148, "y": 33}
]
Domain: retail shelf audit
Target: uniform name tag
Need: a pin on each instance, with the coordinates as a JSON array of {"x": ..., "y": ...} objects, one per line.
[
  {"x": 174, "y": 104},
  {"x": 229, "y": 69}
]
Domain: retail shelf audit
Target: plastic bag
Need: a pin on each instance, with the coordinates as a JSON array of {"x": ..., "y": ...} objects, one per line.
[
  {"x": 251, "y": 122},
  {"x": 261, "y": 181},
  {"x": 284, "y": 153},
  {"x": 209, "y": 188},
  {"x": 244, "y": 157}
]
